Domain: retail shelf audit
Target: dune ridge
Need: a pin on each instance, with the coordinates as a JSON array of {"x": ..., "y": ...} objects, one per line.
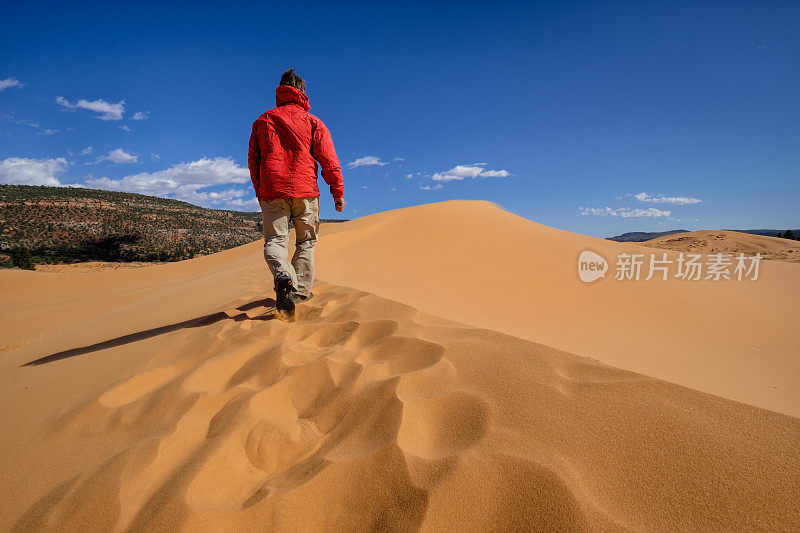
[
  {"x": 474, "y": 263},
  {"x": 168, "y": 397}
]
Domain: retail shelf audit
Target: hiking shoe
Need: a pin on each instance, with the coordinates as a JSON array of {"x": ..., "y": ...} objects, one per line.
[
  {"x": 284, "y": 302},
  {"x": 301, "y": 298}
]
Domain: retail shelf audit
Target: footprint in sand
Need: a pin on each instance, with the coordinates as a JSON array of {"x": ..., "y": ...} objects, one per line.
[
  {"x": 443, "y": 426},
  {"x": 324, "y": 336},
  {"x": 280, "y": 404},
  {"x": 372, "y": 332},
  {"x": 395, "y": 356},
  {"x": 216, "y": 373}
]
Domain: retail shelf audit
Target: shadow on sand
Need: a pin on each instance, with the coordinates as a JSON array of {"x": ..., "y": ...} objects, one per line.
[{"x": 147, "y": 334}]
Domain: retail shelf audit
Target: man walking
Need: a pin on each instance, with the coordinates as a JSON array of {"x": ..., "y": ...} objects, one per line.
[{"x": 285, "y": 146}]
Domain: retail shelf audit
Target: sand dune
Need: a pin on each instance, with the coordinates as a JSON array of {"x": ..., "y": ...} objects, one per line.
[
  {"x": 168, "y": 398},
  {"x": 474, "y": 263},
  {"x": 729, "y": 242}
]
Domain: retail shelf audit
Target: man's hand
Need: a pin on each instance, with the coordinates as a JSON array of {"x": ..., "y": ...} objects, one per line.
[{"x": 338, "y": 203}]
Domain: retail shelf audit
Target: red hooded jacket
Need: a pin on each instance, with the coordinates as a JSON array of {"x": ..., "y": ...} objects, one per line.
[{"x": 286, "y": 144}]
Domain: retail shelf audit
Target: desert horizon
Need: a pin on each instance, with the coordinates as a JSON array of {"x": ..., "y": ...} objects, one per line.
[{"x": 168, "y": 397}]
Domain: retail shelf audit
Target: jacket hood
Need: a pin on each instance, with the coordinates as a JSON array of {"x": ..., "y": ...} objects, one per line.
[{"x": 289, "y": 95}]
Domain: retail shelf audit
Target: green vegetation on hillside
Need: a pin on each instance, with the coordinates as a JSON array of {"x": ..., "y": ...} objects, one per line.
[{"x": 61, "y": 224}]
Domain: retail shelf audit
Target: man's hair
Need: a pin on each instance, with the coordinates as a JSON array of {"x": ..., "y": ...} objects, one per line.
[{"x": 293, "y": 80}]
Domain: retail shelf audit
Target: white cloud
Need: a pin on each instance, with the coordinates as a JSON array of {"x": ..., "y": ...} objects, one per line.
[
  {"x": 367, "y": 161},
  {"x": 679, "y": 200},
  {"x": 433, "y": 188},
  {"x": 10, "y": 82},
  {"x": 140, "y": 115},
  {"x": 185, "y": 181},
  {"x": 241, "y": 204},
  {"x": 23, "y": 121},
  {"x": 86, "y": 151},
  {"x": 494, "y": 174},
  {"x": 30, "y": 123},
  {"x": 476, "y": 170},
  {"x": 123, "y": 127},
  {"x": 24, "y": 171},
  {"x": 155, "y": 157},
  {"x": 399, "y": 159},
  {"x": 625, "y": 212},
  {"x": 105, "y": 110},
  {"x": 119, "y": 156}
]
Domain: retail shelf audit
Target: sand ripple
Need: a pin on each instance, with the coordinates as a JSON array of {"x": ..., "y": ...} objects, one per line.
[{"x": 367, "y": 415}]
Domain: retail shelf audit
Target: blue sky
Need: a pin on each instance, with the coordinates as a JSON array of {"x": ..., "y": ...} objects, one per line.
[{"x": 594, "y": 117}]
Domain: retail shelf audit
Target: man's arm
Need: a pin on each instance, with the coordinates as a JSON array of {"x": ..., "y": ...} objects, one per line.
[
  {"x": 254, "y": 159},
  {"x": 323, "y": 151}
]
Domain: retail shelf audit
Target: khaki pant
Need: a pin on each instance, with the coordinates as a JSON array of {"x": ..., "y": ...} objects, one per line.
[{"x": 304, "y": 213}]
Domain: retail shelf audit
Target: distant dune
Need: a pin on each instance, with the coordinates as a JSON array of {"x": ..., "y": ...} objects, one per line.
[
  {"x": 729, "y": 242},
  {"x": 432, "y": 384}
]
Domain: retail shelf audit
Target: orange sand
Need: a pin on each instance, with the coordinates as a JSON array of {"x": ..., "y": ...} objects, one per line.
[
  {"x": 168, "y": 398},
  {"x": 729, "y": 242}
]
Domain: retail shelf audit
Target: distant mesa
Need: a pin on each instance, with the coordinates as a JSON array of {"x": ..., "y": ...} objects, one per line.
[{"x": 641, "y": 236}]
